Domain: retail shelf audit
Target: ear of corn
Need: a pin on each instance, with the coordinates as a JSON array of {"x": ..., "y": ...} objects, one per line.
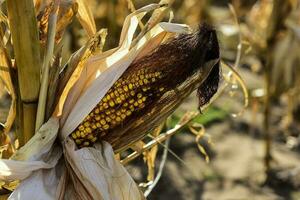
[
  {"x": 129, "y": 95},
  {"x": 151, "y": 88}
]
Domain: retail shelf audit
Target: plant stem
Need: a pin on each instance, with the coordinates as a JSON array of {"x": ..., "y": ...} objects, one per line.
[
  {"x": 46, "y": 67},
  {"x": 24, "y": 31}
]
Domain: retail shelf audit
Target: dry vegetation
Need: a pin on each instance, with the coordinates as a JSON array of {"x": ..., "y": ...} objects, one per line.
[{"x": 244, "y": 144}]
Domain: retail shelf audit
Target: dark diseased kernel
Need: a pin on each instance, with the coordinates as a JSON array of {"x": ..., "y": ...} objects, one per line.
[{"x": 127, "y": 96}]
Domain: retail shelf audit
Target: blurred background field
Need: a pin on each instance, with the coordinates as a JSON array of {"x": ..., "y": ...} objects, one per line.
[{"x": 253, "y": 155}]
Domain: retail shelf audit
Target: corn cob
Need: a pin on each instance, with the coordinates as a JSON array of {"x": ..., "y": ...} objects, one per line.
[{"x": 148, "y": 80}]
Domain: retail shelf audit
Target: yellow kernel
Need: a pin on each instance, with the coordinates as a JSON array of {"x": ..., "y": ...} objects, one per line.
[
  {"x": 112, "y": 95},
  {"x": 107, "y": 112},
  {"x": 132, "y": 93},
  {"x": 106, "y": 126},
  {"x": 144, "y": 99},
  {"x": 116, "y": 93},
  {"x": 90, "y": 137},
  {"x": 86, "y": 143},
  {"x": 142, "y": 77},
  {"x": 103, "y": 122},
  {"x": 119, "y": 100},
  {"x": 132, "y": 108},
  {"x": 118, "y": 113},
  {"x": 123, "y": 116},
  {"x": 88, "y": 130},
  {"x": 107, "y": 119},
  {"x": 142, "y": 105},
  {"x": 78, "y": 133},
  {"x": 78, "y": 141},
  {"x": 123, "y": 110},
  {"x": 108, "y": 97},
  {"x": 82, "y": 134},
  {"x": 111, "y": 103},
  {"x": 98, "y": 124},
  {"x": 135, "y": 104},
  {"x": 101, "y": 108},
  {"x": 97, "y": 118},
  {"x": 105, "y": 105},
  {"x": 113, "y": 116},
  {"x": 120, "y": 90},
  {"x": 139, "y": 95},
  {"x": 131, "y": 101},
  {"x": 157, "y": 74},
  {"x": 122, "y": 97},
  {"x": 130, "y": 86},
  {"x": 140, "y": 101},
  {"x": 86, "y": 124},
  {"x": 125, "y": 104},
  {"x": 125, "y": 88},
  {"x": 153, "y": 79},
  {"x": 81, "y": 128},
  {"x": 161, "y": 89},
  {"x": 104, "y": 99},
  {"x": 146, "y": 81},
  {"x": 128, "y": 112},
  {"x": 94, "y": 139},
  {"x": 118, "y": 119},
  {"x": 141, "y": 82},
  {"x": 74, "y": 136},
  {"x": 144, "y": 89},
  {"x": 94, "y": 126}
]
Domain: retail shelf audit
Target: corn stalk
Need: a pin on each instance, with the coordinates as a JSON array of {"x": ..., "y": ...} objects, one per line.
[
  {"x": 276, "y": 23},
  {"x": 23, "y": 26}
]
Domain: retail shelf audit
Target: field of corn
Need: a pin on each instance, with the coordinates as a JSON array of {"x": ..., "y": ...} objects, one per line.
[{"x": 150, "y": 99}]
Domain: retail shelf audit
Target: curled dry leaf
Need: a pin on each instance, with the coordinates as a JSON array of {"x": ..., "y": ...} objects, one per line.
[
  {"x": 86, "y": 18},
  {"x": 67, "y": 10}
]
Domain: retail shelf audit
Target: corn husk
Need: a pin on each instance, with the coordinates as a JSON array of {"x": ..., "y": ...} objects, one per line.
[{"x": 87, "y": 173}]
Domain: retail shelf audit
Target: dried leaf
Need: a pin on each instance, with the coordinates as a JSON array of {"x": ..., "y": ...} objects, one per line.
[
  {"x": 66, "y": 12},
  {"x": 86, "y": 18}
]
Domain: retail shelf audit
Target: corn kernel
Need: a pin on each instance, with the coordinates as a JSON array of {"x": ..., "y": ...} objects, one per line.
[
  {"x": 139, "y": 95},
  {"x": 130, "y": 86},
  {"x": 102, "y": 121},
  {"x": 74, "y": 136},
  {"x": 122, "y": 97},
  {"x": 128, "y": 112},
  {"x": 106, "y": 126},
  {"x": 105, "y": 105},
  {"x": 78, "y": 141},
  {"x": 119, "y": 100},
  {"x": 88, "y": 130},
  {"x": 86, "y": 143},
  {"x": 81, "y": 128},
  {"x": 118, "y": 119}
]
